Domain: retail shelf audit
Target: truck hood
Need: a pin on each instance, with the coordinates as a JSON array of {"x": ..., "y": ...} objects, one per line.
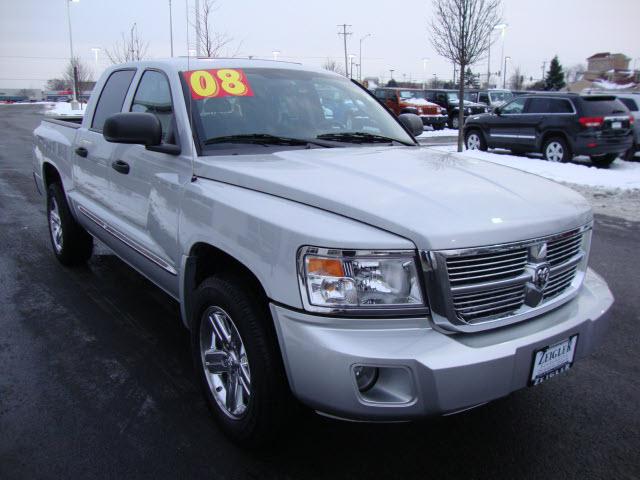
[{"x": 437, "y": 200}]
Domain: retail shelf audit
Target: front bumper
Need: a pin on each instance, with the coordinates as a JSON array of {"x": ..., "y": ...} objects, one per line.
[
  {"x": 434, "y": 119},
  {"x": 432, "y": 373}
]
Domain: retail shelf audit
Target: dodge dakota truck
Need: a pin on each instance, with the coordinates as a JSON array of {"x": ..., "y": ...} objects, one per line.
[{"x": 341, "y": 267}]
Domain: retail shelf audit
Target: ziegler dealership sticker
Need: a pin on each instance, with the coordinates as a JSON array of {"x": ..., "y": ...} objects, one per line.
[{"x": 225, "y": 82}]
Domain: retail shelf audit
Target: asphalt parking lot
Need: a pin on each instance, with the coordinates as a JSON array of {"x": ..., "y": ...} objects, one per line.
[{"x": 96, "y": 379}]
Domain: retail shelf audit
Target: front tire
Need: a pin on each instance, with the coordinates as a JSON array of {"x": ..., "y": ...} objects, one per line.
[
  {"x": 603, "y": 161},
  {"x": 454, "y": 122},
  {"x": 556, "y": 150},
  {"x": 237, "y": 359},
  {"x": 474, "y": 140},
  {"x": 71, "y": 243}
]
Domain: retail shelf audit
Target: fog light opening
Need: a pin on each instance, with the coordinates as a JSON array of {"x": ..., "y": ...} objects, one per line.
[{"x": 366, "y": 377}]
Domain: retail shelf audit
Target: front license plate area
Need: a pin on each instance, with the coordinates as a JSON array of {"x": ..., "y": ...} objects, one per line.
[{"x": 552, "y": 360}]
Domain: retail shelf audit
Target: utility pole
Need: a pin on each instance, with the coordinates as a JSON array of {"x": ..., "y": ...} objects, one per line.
[
  {"x": 344, "y": 33},
  {"x": 171, "y": 28},
  {"x": 360, "y": 57},
  {"x": 544, "y": 67}
]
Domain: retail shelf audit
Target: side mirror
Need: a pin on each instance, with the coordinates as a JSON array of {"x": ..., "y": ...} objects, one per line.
[
  {"x": 497, "y": 111},
  {"x": 133, "y": 127},
  {"x": 411, "y": 122}
]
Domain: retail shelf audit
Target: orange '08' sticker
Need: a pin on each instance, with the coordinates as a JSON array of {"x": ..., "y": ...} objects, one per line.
[{"x": 224, "y": 82}]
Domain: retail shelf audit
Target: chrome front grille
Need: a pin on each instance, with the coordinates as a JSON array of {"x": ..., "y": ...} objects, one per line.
[{"x": 473, "y": 289}]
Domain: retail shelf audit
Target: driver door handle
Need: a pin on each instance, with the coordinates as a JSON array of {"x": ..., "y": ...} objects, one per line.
[
  {"x": 82, "y": 152},
  {"x": 120, "y": 166}
]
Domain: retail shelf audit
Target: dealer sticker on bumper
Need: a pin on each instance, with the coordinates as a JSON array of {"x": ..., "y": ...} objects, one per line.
[{"x": 552, "y": 360}]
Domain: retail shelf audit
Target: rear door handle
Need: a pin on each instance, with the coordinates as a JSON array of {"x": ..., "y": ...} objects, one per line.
[
  {"x": 120, "y": 166},
  {"x": 82, "y": 152}
]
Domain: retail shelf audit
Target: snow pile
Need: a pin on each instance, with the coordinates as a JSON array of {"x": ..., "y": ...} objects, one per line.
[
  {"x": 446, "y": 132},
  {"x": 606, "y": 85},
  {"x": 620, "y": 175},
  {"x": 63, "y": 109}
]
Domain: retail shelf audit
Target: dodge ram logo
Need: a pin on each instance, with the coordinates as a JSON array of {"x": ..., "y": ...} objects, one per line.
[{"x": 541, "y": 276}]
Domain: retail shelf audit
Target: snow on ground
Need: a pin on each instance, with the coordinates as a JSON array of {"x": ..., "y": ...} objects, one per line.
[
  {"x": 446, "y": 132},
  {"x": 614, "y": 191},
  {"x": 63, "y": 109}
]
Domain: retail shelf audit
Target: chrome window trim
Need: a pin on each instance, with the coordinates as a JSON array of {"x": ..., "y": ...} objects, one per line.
[
  {"x": 440, "y": 293},
  {"x": 127, "y": 241},
  {"x": 358, "y": 311}
]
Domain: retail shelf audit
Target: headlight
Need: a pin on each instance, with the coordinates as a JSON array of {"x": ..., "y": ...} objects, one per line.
[
  {"x": 467, "y": 110},
  {"x": 358, "y": 280}
]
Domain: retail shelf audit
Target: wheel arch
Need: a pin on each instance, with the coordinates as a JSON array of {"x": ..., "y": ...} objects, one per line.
[
  {"x": 552, "y": 134},
  {"x": 205, "y": 260},
  {"x": 50, "y": 174}
]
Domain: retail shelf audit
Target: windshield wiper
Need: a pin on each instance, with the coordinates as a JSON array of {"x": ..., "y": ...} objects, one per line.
[
  {"x": 263, "y": 139},
  {"x": 358, "y": 137}
]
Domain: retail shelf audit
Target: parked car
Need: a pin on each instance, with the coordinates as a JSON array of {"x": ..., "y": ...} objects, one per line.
[
  {"x": 632, "y": 102},
  {"x": 559, "y": 125},
  {"x": 366, "y": 276},
  {"x": 408, "y": 100},
  {"x": 448, "y": 99},
  {"x": 491, "y": 97}
]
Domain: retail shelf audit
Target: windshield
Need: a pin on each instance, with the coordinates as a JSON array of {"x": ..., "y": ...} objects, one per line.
[
  {"x": 412, "y": 94},
  {"x": 452, "y": 97},
  {"x": 499, "y": 97},
  {"x": 287, "y": 104}
]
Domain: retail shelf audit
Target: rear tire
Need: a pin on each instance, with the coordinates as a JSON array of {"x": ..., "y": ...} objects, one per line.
[
  {"x": 603, "y": 161},
  {"x": 630, "y": 154},
  {"x": 556, "y": 149},
  {"x": 474, "y": 140},
  {"x": 263, "y": 403},
  {"x": 71, "y": 243},
  {"x": 454, "y": 122}
]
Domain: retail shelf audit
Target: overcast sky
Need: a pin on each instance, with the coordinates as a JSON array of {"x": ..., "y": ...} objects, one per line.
[{"x": 34, "y": 41}]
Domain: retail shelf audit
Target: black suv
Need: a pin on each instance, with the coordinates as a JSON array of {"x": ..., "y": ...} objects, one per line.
[
  {"x": 559, "y": 125},
  {"x": 449, "y": 99}
]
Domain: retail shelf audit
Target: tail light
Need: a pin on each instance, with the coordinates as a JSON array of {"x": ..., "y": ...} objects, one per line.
[
  {"x": 631, "y": 119},
  {"x": 591, "y": 121}
]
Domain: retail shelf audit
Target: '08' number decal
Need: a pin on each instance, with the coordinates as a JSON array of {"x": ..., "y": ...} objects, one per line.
[{"x": 218, "y": 83}]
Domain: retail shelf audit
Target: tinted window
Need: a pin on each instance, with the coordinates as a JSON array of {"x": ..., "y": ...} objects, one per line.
[
  {"x": 517, "y": 106},
  {"x": 380, "y": 94},
  {"x": 601, "y": 106},
  {"x": 484, "y": 98},
  {"x": 154, "y": 96},
  {"x": 112, "y": 97},
  {"x": 630, "y": 104},
  {"x": 549, "y": 105}
]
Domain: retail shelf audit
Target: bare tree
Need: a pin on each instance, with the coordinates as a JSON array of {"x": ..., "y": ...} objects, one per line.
[
  {"x": 461, "y": 32},
  {"x": 213, "y": 44},
  {"x": 83, "y": 72},
  {"x": 575, "y": 72},
  {"x": 516, "y": 82},
  {"x": 130, "y": 48},
  {"x": 57, "y": 84},
  {"x": 333, "y": 66}
]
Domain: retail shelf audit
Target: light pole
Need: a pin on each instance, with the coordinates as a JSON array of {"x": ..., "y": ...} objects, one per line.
[
  {"x": 350, "y": 72},
  {"x": 95, "y": 51},
  {"x": 360, "y": 57},
  {"x": 501, "y": 27},
  {"x": 275, "y": 54},
  {"x": 504, "y": 73},
  {"x": 74, "y": 101},
  {"x": 424, "y": 73},
  {"x": 170, "y": 28},
  {"x": 435, "y": 80}
]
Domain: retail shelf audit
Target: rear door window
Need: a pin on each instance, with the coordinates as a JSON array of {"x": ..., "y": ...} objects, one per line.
[
  {"x": 539, "y": 105},
  {"x": 112, "y": 97},
  {"x": 599, "y": 106}
]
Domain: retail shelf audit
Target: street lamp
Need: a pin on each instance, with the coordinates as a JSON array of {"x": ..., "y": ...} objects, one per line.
[
  {"x": 350, "y": 72},
  {"x": 424, "y": 72},
  {"x": 95, "y": 51},
  {"x": 504, "y": 73},
  {"x": 171, "y": 28},
  {"x": 275, "y": 54},
  {"x": 435, "y": 80},
  {"x": 74, "y": 101},
  {"x": 501, "y": 27},
  {"x": 360, "y": 57}
]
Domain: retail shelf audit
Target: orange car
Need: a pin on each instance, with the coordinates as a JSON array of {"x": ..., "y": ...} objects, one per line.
[{"x": 413, "y": 100}]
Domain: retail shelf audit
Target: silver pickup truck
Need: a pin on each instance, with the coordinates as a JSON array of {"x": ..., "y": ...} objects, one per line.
[{"x": 317, "y": 251}]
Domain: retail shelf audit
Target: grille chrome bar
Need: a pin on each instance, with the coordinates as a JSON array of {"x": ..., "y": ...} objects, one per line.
[{"x": 485, "y": 287}]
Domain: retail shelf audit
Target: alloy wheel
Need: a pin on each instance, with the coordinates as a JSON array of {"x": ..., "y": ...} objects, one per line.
[
  {"x": 473, "y": 141},
  {"x": 225, "y": 362},
  {"x": 55, "y": 225},
  {"x": 554, "y": 152}
]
